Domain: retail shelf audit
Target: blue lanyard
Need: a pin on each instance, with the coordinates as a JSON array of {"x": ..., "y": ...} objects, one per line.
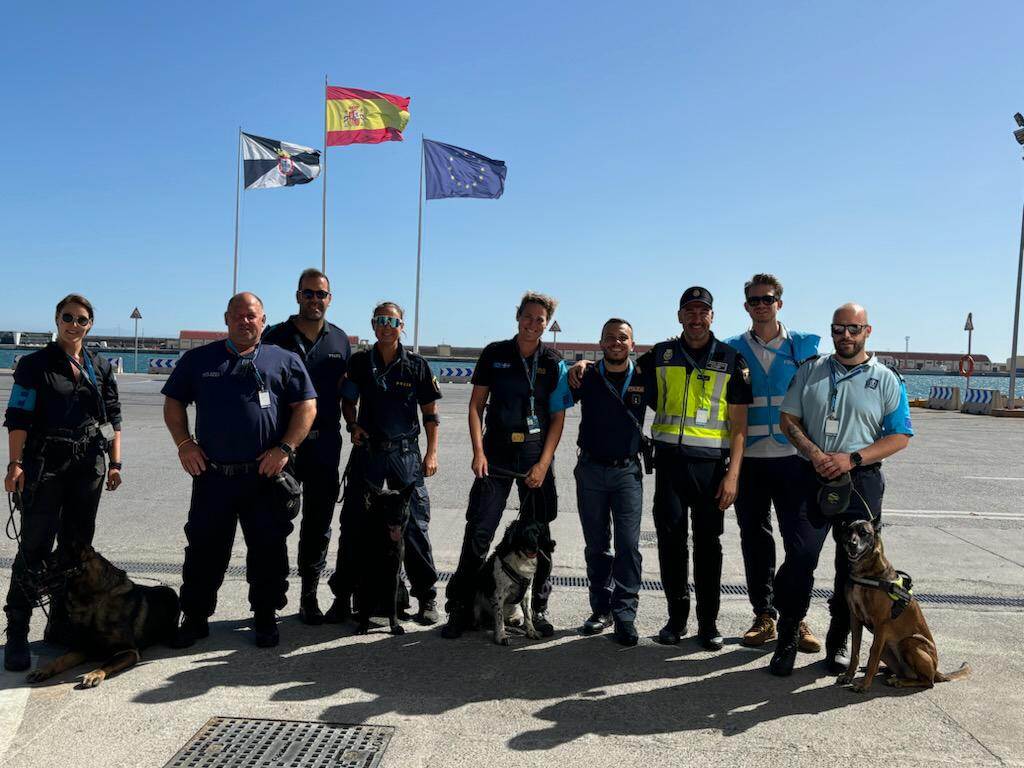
[
  {"x": 625, "y": 385},
  {"x": 90, "y": 373},
  {"x": 251, "y": 360},
  {"x": 833, "y": 389}
]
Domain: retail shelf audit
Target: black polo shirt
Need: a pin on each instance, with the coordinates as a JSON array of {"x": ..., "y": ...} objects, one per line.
[
  {"x": 390, "y": 395},
  {"x": 46, "y": 395},
  {"x": 326, "y": 360},
  {"x": 501, "y": 369},
  {"x": 606, "y": 429},
  {"x": 232, "y": 426}
]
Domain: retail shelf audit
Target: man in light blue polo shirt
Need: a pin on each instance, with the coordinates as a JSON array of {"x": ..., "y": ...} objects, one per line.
[{"x": 844, "y": 413}]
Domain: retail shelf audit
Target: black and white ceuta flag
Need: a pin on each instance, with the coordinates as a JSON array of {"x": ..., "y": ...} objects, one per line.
[{"x": 269, "y": 163}]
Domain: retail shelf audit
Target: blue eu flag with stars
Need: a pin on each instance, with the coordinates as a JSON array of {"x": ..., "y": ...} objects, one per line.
[{"x": 456, "y": 172}]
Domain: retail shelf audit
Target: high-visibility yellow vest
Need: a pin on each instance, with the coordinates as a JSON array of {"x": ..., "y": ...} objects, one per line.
[{"x": 683, "y": 391}]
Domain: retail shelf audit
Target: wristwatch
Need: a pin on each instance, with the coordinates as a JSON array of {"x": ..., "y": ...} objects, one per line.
[
  {"x": 856, "y": 458},
  {"x": 114, "y": 465},
  {"x": 287, "y": 450}
]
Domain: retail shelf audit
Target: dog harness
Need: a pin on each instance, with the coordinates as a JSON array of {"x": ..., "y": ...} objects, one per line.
[
  {"x": 899, "y": 591},
  {"x": 522, "y": 583}
]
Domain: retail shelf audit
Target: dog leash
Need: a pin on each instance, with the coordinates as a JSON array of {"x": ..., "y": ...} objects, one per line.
[
  {"x": 532, "y": 495},
  {"x": 31, "y": 591}
]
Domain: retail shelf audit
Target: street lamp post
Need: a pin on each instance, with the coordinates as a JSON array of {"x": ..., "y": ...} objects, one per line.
[{"x": 1019, "y": 136}]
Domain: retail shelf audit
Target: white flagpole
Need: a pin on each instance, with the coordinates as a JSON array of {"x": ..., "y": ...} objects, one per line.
[
  {"x": 238, "y": 195},
  {"x": 323, "y": 211},
  {"x": 419, "y": 253}
]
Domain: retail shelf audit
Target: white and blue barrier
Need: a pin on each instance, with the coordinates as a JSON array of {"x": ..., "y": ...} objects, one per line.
[
  {"x": 944, "y": 398},
  {"x": 983, "y": 401},
  {"x": 162, "y": 364},
  {"x": 455, "y": 374}
]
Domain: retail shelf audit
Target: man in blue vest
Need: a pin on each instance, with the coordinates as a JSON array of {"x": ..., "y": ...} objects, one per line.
[{"x": 772, "y": 470}]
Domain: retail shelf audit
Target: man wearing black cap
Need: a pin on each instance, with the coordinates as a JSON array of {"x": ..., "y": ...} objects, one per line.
[{"x": 699, "y": 389}]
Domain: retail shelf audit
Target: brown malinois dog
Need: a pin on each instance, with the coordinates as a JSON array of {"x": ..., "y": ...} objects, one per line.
[{"x": 880, "y": 599}]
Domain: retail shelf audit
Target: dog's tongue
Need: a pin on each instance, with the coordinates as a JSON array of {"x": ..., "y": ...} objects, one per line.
[{"x": 395, "y": 532}]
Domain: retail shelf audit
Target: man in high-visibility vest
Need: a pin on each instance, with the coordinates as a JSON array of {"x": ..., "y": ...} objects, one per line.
[
  {"x": 701, "y": 390},
  {"x": 772, "y": 470}
]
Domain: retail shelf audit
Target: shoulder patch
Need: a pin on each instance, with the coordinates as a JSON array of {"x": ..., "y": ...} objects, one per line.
[{"x": 714, "y": 365}]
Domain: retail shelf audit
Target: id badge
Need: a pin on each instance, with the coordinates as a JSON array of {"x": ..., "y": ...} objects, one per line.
[
  {"x": 703, "y": 416},
  {"x": 107, "y": 431},
  {"x": 831, "y": 426},
  {"x": 264, "y": 399},
  {"x": 532, "y": 425}
]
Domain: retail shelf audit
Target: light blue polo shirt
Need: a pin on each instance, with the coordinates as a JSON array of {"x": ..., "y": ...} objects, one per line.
[{"x": 870, "y": 403}]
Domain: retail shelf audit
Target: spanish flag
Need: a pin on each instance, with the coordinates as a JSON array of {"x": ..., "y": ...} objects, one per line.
[{"x": 355, "y": 116}]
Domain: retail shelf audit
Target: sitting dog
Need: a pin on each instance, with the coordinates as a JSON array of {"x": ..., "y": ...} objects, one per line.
[
  {"x": 111, "y": 618},
  {"x": 504, "y": 585},
  {"x": 879, "y": 598},
  {"x": 381, "y": 550}
]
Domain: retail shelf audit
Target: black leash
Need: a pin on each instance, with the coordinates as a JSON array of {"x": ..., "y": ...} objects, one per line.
[
  {"x": 532, "y": 496},
  {"x": 29, "y": 586}
]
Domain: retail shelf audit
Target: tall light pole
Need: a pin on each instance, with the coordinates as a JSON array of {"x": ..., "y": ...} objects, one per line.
[
  {"x": 1018, "y": 134},
  {"x": 906, "y": 339}
]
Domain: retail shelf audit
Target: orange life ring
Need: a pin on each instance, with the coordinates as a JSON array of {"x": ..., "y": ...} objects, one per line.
[{"x": 966, "y": 365}]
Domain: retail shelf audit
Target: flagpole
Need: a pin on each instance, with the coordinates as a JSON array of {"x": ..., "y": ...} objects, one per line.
[
  {"x": 323, "y": 211},
  {"x": 419, "y": 252},
  {"x": 238, "y": 195}
]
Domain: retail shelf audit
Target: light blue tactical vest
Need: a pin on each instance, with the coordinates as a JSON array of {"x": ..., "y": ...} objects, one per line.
[{"x": 770, "y": 388}]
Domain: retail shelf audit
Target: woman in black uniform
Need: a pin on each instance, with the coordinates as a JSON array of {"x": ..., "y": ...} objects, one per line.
[{"x": 63, "y": 418}]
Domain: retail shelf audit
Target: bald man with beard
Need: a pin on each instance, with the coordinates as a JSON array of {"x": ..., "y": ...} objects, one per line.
[{"x": 844, "y": 413}]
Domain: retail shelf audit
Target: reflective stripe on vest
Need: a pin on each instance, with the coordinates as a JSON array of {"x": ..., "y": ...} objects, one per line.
[{"x": 680, "y": 395}]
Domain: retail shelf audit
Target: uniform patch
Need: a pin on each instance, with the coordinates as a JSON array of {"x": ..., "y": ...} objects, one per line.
[
  {"x": 667, "y": 356},
  {"x": 716, "y": 366},
  {"x": 334, "y": 354},
  {"x": 636, "y": 388},
  {"x": 437, "y": 387},
  {"x": 499, "y": 364},
  {"x": 211, "y": 374},
  {"x": 745, "y": 373},
  {"x": 871, "y": 384}
]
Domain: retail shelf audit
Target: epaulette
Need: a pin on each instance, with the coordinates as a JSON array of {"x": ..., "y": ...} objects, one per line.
[
  {"x": 898, "y": 374},
  {"x": 810, "y": 359}
]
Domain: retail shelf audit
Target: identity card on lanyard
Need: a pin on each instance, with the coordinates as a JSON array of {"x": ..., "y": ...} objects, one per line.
[
  {"x": 703, "y": 415},
  {"x": 832, "y": 418},
  {"x": 263, "y": 395},
  {"x": 532, "y": 422},
  {"x": 106, "y": 429}
]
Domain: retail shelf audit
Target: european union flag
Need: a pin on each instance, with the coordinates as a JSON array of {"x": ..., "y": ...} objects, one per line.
[{"x": 456, "y": 172}]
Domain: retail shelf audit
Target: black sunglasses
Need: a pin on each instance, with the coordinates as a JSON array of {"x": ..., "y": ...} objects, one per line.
[
  {"x": 82, "y": 320},
  {"x": 766, "y": 300},
  {"x": 309, "y": 293},
  {"x": 852, "y": 328}
]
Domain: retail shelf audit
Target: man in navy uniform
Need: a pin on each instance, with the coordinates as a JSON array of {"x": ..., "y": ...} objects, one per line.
[
  {"x": 254, "y": 406},
  {"x": 324, "y": 348}
]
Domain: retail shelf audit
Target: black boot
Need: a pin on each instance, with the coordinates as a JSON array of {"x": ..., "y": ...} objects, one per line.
[
  {"x": 837, "y": 650},
  {"x": 786, "y": 647},
  {"x": 191, "y": 629},
  {"x": 16, "y": 653},
  {"x": 265, "y": 626},
  {"x": 675, "y": 628},
  {"x": 340, "y": 610},
  {"x": 309, "y": 609},
  {"x": 456, "y": 623}
]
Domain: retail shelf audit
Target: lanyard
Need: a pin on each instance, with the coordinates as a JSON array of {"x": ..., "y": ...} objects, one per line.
[
  {"x": 777, "y": 351},
  {"x": 833, "y": 388},
  {"x": 531, "y": 376},
  {"x": 701, "y": 376},
  {"x": 381, "y": 377},
  {"x": 90, "y": 373},
  {"x": 251, "y": 360},
  {"x": 625, "y": 384}
]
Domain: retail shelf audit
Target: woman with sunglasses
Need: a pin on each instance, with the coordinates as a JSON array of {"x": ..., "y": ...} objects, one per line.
[
  {"x": 391, "y": 387},
  {"x": 63, "y": 418}
]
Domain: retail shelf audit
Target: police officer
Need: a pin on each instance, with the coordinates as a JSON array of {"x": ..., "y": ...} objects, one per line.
[
  {"x": 63, "y": 418},
  {"x": 771, "y": 468},
  {"x": 254, "y": 405},
  {"x": 324, "y": 349},
  {"x": 521, "y": 384},
  {"x": 701, "y": 390},
  {"x": 609, "y": 488},
  {"x": 844, "y": 413},
  {"x": 389, "y": 384}
]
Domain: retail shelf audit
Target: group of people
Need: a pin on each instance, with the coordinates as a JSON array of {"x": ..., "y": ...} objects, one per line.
[{"x": 757, "y": 420}]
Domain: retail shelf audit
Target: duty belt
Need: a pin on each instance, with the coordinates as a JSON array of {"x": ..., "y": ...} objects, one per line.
[
  {"x": 400, "y": 444},
  {"x": 233, "y": 469},
  {"x": 628, "y": 461}
]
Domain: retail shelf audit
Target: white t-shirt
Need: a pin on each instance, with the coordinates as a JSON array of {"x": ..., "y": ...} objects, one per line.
[{"x": 769, "y": 447}]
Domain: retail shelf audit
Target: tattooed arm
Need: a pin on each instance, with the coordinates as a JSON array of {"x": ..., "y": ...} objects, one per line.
[{"x": 794, "y": 430}]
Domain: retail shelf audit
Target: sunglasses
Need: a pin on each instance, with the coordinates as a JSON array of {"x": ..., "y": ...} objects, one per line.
[
  {"x": 851, "y": 328},
  {"x": 757, "y": 300},
  {"x": 309, "y": 293},
  {"x": 394, "y": 322},
  {"x": 82, "y": 320}
]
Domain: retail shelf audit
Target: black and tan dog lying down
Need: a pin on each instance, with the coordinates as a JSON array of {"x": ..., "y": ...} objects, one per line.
[
  {"x": 110, "y": 618},
  {"x": 880, "y": 599},
  {"x": 505, "y": 582}
]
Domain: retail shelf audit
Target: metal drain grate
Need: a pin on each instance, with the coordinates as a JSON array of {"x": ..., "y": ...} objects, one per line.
[
  {"x": 647, "y": 585},
  {"x": 232, "y": 742},
  {"x": 648, "y": 539}
]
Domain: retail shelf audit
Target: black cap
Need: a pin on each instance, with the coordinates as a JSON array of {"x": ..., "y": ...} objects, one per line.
[{"x": 696, "y": 293}]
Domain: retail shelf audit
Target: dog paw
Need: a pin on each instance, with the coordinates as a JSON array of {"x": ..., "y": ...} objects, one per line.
[
  {"x": 861, "y": 686},
  {"x": 844, "y": 679},
  {"x": 37, "y": 676},
  {"x": 397, "y": 629},
  {"x": 94, "y": 678},
  {"x": 533, "y": 634},
  {"x": 503, "y": 640}
]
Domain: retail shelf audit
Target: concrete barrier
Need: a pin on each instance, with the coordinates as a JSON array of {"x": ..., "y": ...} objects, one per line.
[
  {"x": 162, "y": 364},
  {"x": 983, "y": 401},
  {"x": 944, "y": 398},
  {"x": 455, "y": 374},
  {"x": 117, "y": 363}
]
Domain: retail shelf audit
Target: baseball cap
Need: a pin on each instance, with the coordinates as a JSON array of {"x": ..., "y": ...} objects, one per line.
[{"x": 696, "y": 293}]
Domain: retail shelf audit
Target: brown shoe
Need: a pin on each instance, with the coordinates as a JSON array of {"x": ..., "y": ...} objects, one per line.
[
  {"x": 808, "y": 642},
  {"x": 760, "y": 632}
]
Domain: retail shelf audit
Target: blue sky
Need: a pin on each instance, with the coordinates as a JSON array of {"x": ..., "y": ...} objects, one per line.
[{"x": 858, "y": 151}]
